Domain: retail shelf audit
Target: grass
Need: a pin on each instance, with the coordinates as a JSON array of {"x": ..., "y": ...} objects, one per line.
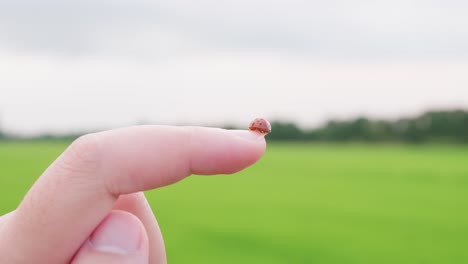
[{"x": 302, "y": 203}]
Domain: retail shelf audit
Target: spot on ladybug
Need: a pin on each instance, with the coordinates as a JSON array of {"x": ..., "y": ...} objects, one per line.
[{"x": 260, "y": 125}]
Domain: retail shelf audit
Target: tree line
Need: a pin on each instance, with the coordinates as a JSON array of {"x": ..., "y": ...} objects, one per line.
[{"x": 433, "y": 126}]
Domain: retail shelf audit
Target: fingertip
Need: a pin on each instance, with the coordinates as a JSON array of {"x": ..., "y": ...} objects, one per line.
[
  {"x": 120, "y": 232},
  {"x": 256, "y": 139},
  {"x": 119, "y": 238},
  {"x": 220, "y": 151},
  {"x": 253, "y": 136}
]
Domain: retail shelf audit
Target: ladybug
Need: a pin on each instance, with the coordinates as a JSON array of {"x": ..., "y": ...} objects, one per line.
[{"x": 260, "y": 125}]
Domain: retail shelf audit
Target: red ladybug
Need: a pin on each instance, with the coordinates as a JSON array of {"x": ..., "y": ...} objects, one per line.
[{"x": 260, "y": 125}]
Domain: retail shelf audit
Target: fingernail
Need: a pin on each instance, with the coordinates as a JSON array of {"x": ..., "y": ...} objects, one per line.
[
  {"x": 247, "y": 134},
  {"x": 119, "y": 233}
]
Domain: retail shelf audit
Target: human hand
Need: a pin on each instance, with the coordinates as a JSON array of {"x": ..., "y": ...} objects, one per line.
[{"x": 88, "y": 206}]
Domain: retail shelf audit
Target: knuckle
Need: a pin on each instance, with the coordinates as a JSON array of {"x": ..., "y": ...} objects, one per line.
[{"x": 83, "y": 154}]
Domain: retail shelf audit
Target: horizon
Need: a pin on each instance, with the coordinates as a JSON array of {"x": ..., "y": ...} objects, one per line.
[{"x": 303, "y": 129}]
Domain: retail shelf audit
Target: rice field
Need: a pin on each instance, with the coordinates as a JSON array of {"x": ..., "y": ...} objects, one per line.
[{"x": 302, "y": 203}]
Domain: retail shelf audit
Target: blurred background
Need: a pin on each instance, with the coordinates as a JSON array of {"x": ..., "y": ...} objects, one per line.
[{"x": 367, "y": 161}]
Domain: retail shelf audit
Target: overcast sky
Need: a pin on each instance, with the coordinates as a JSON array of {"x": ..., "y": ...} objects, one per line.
[{"x": 68, "y": 65}]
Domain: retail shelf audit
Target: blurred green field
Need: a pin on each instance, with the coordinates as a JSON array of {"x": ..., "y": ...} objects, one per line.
[{"x": 302, "y": 203}]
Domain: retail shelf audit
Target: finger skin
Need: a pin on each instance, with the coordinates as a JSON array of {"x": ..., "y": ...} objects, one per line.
[
  {"x": 3, "y": 220},
  {"x": 137, "y": 205},
  {"x": 80, "y": 188}
]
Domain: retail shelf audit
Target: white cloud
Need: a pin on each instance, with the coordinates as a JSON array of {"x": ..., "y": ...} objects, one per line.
[{"x": 327, "y": 29}]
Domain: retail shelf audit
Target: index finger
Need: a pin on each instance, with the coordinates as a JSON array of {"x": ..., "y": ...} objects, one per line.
[{"x": 79, "y": 189}]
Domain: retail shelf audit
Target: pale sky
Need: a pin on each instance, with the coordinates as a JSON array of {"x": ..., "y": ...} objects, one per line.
[{"x": 85, "y": 65}]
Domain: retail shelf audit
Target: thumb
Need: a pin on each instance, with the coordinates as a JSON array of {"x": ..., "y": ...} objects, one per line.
[{"x": 120, "y": 238}]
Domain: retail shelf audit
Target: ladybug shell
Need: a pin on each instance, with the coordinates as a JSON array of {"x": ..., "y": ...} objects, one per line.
[{"x": 261, "y": 125}]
